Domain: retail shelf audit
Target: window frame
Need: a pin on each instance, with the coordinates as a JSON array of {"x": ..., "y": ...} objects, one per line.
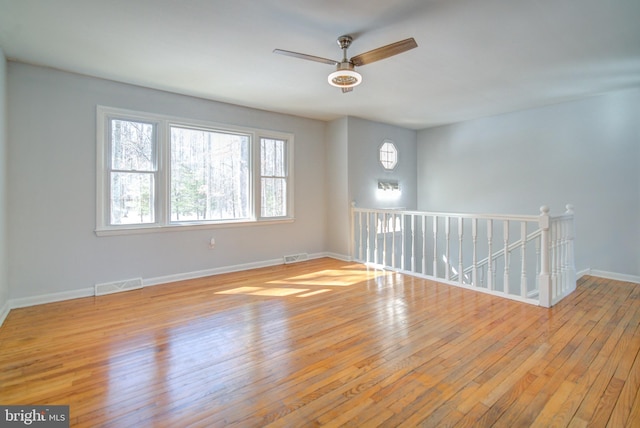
[
  {"x": 384, "y": 158},
  {"x": 284, "y": 177},
  {"x": 162, "y": 203}
]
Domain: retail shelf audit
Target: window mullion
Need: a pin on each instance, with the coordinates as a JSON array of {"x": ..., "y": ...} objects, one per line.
[
  {"x": 163, "y": 173},
  {"x": 256, "y": 175}
]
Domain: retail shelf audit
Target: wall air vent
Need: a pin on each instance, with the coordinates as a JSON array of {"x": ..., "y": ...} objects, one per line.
[
  {"x": 296, "y": 258},
  {"x": 118, "y": 286}
]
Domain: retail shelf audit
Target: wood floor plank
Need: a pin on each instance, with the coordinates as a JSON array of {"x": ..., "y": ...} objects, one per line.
[
  {"x": 627, "y": 396},
  {"x": 328, "y": 343},
  {"x": 634, "y": 415},
  {"x": 615, "y": 347}
]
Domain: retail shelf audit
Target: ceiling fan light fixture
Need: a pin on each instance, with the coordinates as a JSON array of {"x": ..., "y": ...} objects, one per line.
[{"x": 345, "y": 77}]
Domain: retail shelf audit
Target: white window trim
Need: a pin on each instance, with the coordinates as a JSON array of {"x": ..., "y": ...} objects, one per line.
[
  {"x": 259, "y": 176},
  {"x": 162, "y": 203},
  {"x": 397, "y": 154}
]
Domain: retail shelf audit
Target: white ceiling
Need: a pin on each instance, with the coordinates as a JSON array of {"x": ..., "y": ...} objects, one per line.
[{"x": 474, "y": 58}]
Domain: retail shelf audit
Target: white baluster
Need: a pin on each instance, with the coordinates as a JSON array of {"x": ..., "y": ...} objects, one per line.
[
  {"x": 562, "y": 256},
  {"x": 490, "y": 257},
  {"x": 392, "y": 224},
  {"x": 353, "y": 240},
  {"x": 571, "y": 269},
  {"x": 353, "y": 234},
  {"x": 399, "y": 227},
  {"x": 403, "y": 250},
  {"x": 554, "y": 258},
  {"x": 377, "y": 235},
  {"x": 380, "y": 244},
  {"x": 368, "y": 243},
  {"x": 561, "y": 263},
  {"x": 403, "y": 237},
  {"x": 385, "y": 227},
  {"x": 392, "y": 237},
  {"x": 360, "y": 236},
  {"x": 474, "y": 236},
  {"x": 447, "y": 226},
  {"x": 505, "y": 231},
  {"x": 523, "y": 254},
  {"x": 538, "y": 258},
  {"x": 435, "y": 246},
  {"x": 460, "y": 264},
  {"x": 559, "y": 257},
  {"x": 424, "y": 244},
  {"x": 413, "y": 243}
]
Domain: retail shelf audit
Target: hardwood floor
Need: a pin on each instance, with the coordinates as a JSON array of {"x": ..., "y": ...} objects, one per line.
[{"x": 329, "y": 343}]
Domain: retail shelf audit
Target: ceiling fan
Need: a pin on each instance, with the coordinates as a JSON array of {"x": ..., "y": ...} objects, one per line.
[{"x": 345, "y": 76}]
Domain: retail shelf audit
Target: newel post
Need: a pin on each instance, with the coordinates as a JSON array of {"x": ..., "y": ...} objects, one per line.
[
  {"x": 544, "y": 278},
  {"x": 352, "y": 231}
]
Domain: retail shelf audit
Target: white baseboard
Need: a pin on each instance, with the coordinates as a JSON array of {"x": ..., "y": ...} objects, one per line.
[
  {"x": 148, "y": 282},
  {"x": 24, "y": 302},
  {"x": 609, "y": 275},
  {"x": 581, "y": 273},
  {"x": 337, "y": 256},
  {"x": 227, "y": 269},
  {"x": 4, "y": 311}
]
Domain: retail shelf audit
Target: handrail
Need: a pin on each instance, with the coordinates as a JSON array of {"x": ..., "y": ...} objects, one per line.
[
  {"x": 498, "y": 254},
  {"x": 515, "y": 217}
]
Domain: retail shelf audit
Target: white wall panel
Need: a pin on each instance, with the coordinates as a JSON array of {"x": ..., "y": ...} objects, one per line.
[{"x": 365, "y": 169}]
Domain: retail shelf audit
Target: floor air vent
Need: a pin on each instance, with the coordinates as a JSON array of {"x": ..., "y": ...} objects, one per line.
[
  {"x": 296, "y": 258},
  {"x": 117, "y": 286}
]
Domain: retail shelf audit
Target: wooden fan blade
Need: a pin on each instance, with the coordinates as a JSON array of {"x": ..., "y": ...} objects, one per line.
[
  {"x": 384, "y": 52},
  {"x": 305, "y": 56}
]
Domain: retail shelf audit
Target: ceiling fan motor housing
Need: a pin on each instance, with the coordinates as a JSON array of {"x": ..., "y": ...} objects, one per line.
[{"x": 345, "y": 76}]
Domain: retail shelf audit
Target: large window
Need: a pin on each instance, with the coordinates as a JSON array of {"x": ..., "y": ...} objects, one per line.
[
  {"x": 209, "y": 175},
  {"x": 159, "y": 172}
]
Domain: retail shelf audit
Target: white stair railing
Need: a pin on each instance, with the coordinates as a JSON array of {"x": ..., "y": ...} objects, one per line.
[{"x": 526, "y": 258}]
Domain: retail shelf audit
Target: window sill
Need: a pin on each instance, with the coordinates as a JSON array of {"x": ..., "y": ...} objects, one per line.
[{"x": 175, "y": 227}]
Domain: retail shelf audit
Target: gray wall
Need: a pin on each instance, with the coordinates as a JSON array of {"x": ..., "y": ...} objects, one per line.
[
  {"x": 365, "y": 138},
  {"x": 585, "y": 152},
  {"x": 4, "y": 248},
  {"x": 353, "y": 171},
  {"x": 337, "y": 196},
  {"x": 52, "y": 198}
]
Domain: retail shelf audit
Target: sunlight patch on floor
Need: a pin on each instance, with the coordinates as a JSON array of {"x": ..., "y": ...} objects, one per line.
[
  {"x": 311, "y": 281},
  {"x": 331, "y": 278},
  {"x": 264, "y": 291},
  {"x": 313, "y": 293}
]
